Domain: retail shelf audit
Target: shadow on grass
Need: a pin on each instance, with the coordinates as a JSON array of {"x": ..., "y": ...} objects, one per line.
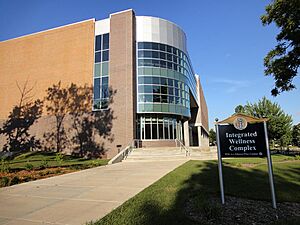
[{"x": 158, "y": 206}]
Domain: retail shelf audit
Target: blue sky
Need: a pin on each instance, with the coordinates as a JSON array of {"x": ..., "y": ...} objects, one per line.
[{"x": 226, "y": 41}]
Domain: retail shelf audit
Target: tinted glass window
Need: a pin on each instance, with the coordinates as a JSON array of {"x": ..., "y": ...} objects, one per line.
[
  {"x": 97, "y": 57},
  {"x": 164, "y": 99},
  {"x": 148, "y": 89},
  {"x": 98, "y": 43},
  {"x": 106, "y": 41},
  {"x": 105, "y": 56},
  {"x": 156, "y": 98},
  {"x": 163, "y": 64},
  {"x": 97, "y": 88},
  {"x": 164, "y": 90},
  {"x": 147, "y": 45},
  {"x": 148, "y": 80},
  {"x": 155, "y": 54},
  {"x": 104, "y": 91},
  {"x": 163, "y": 81},
  {"x": 169, "y": 65},
  {"x": 155, "y": 46},
  {"x": 156, "y": 89},
  {"x": 171, "y": 99},
  {"x": 162, "y": 47},
  {"x": 170, "y": 82},
  {"x": 105, "y": 81},
  {"x": 155, "y": 80},
  {"x": 169, "y": 57},
  {"x": 171, "y": 91},
  {"x": 155, "y": 63},
  {"x": 162, "y": 55},
  {"x": 148, "y": 98},
  {"x": 169, "y": 49}
]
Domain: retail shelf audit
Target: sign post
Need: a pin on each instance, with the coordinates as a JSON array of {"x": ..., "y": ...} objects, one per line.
[
  {"x": 220, "y": 165},
  {"x": 270, "y": 169},
  {"x": 243, "y": 136}
]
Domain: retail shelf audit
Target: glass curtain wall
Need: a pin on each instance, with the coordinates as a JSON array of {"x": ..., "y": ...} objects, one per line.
[
  {"x": 101, "y": 72},
  {"x": 165, "y": 79}
]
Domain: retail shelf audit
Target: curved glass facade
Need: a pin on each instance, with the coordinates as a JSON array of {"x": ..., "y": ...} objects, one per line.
[{"x": 165, "y": 79}]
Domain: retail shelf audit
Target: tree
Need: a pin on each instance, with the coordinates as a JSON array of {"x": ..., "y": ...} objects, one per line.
[
  {"x": 279, "y": 124},
  {"x": 57, "y": 106},
  {"x": 19, "y": 121},
  {"x": 283, "y": 61},
  {"x": 296, "y": 135},
  {"x": 212, "y": 137},
  {"x": 239, "y": 109}
]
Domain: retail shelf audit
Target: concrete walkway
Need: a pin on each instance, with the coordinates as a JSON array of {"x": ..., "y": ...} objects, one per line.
[{"x": 79, "y": 197}]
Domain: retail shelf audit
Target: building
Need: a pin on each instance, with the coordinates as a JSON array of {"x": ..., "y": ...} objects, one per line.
[{"x": 144, "y": 59}]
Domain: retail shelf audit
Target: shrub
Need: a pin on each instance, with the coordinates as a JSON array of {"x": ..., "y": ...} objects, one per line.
[
  {"x": 28, "y": 166},
  {"x": 4, "y": 181},
  {"x": 15, "y": 180},
  {"x": 44, "y": 164},
  {"x": 297, "y": 157},
  {"x": 4, "y": 166},
  {"x": 59, "y": 158}
]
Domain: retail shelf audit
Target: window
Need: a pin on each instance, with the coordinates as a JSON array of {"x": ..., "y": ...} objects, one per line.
[
  {"x": 105, "y": 41},
  {"x": 101, "y": 72},
  {"x": 98, "y": 43},
  {"x": 105, "y": 56},
  {"x": 98, "y": 57}
]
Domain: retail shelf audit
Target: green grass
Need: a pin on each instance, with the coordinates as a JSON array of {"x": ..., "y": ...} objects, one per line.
[
  {"x": 38, "y": 159},
  {"x": 163, "y": 202}
]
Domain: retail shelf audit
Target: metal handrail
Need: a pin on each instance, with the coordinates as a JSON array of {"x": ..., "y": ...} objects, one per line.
[
  {"x": 182, "y": 146},
  {"x": 123, "y": 154}
]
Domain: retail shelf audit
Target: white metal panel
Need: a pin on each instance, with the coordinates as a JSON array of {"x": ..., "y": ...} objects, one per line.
[
  {"x": 102, "y": 26},
  {"x": 155, "y": 29}
]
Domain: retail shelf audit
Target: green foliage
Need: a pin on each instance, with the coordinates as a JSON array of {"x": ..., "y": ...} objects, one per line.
[
  {"x": 29, "y": 166},
  {"x": 279, "y": 124},
  {"x": 239, "y": 109},
  {"x": 212, "y": 137},
  {"x": 296, "y": 135},
  {"x": 44, "y": 164},
  {"x": 4, "y": 182},
  {"x": 59, "y": 157},
  {"x": 283, "y": 61},
  {"x": 4, "y": 166},
  {"x": 20, "y": 119}
]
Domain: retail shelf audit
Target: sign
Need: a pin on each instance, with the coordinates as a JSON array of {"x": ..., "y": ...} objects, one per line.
[
  {"x": 242, "y": 135},
  {"x": 247, "y": 142}
]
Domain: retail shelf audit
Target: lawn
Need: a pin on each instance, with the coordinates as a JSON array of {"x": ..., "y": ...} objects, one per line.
[
  {"x": 164, "y": 202},
  {"x": 36, "y": 165}
]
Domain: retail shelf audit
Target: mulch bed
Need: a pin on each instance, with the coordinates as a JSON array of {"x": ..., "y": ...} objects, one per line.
[
  {"x": 11, "y": 178},
  {"x": 242, "y": 211}
]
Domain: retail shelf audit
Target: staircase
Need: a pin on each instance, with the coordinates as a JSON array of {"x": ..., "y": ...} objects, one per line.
[{"x": 168, "y": 154}]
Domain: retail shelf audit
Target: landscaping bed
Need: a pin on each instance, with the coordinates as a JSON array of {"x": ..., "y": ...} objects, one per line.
[{"x": 37, "y": 165}]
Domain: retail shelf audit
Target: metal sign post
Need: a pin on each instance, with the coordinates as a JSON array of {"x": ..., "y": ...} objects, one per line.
[
  {"x": 270, "y": 169},
  {"x": 220, "y": 165}
]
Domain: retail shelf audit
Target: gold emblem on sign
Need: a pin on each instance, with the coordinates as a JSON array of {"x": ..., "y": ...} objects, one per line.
[{"x": 240, "y": 123}]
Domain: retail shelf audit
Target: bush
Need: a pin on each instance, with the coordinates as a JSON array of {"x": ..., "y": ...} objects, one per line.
[
  {"x": 28, "y": 166},
  {"x": 15, "y": 180},
  {"x": 4, "y": 181},
  {"x": 4, "y": 166},
  {"x": 44, "y": 164},
  {"x": 59, "y": 158}
]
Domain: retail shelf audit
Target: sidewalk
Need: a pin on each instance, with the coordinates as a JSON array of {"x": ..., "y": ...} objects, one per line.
[{"x": 79, "y": 197}]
